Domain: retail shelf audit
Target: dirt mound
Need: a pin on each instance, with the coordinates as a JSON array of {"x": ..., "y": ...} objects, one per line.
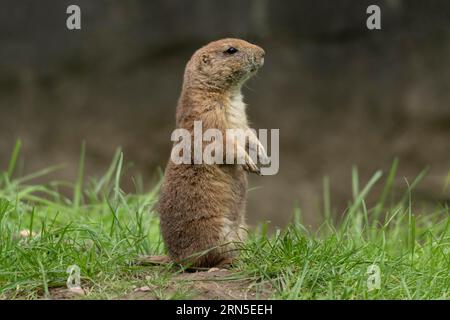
[
  {"x": 214, "y": 284},
  {"x": 208, "y": 285}
]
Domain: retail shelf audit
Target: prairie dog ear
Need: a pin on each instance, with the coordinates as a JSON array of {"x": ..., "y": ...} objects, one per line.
[{"x": 206, "y": 59}]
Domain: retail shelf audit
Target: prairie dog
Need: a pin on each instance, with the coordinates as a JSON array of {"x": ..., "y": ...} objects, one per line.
[{"x": 201, "y": 206}]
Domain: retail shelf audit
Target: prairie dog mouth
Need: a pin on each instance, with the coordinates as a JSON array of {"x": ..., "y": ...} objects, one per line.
[{"x": 256, "y": 65}]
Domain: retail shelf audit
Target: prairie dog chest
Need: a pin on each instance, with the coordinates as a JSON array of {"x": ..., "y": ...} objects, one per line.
[{"x": 235, "y": 111}]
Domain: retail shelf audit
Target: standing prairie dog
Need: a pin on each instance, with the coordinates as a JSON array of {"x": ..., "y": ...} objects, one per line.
[{"x": 202, "y": 206}]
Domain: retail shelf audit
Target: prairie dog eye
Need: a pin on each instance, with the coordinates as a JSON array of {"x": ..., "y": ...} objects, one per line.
[{"x": 231, "y": 50}]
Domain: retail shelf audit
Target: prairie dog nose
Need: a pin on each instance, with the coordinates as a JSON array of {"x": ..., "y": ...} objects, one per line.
[
  {"x": 262, "y": 53},
  {"x": 258, "y": 57}
]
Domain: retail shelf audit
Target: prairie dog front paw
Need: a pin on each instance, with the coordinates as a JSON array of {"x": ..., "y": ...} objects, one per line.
[
  {"x": 250, "y": 165},
  {"x": 256, "y": 146}
]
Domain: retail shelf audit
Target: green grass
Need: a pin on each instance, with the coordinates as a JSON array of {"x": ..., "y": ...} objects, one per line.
[{"x": 103, "y": 230}]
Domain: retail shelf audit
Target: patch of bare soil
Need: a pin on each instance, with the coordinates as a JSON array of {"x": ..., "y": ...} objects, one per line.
[
  {"x": 63, "y": 293},
  {"x": 213, "y": 284}
]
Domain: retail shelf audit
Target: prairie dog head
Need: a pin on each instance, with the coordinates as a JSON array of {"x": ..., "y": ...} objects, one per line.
[{"x": 224, "y": 64}]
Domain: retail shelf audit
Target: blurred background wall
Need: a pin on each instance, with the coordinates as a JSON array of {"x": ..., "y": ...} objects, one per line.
[{"x": 341, "y": 95}]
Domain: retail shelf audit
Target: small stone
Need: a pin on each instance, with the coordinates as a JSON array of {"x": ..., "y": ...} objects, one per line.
[
  {"x": 77, "y": 290},
  {"x": 25, "y": 233},
  {"x": 144, "y": 288}
]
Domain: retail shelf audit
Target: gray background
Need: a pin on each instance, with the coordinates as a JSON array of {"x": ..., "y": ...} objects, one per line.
[{"x": 341, "y": 95}]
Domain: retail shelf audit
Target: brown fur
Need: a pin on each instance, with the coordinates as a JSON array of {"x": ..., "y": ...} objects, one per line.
[{"x": 202, "y": 206}]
